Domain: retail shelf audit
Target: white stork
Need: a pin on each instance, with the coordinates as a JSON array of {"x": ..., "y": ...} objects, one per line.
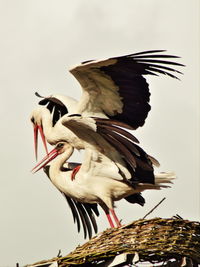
[
  {"x": 97, "y": 181},
  {"x": 115, "y": 93}
]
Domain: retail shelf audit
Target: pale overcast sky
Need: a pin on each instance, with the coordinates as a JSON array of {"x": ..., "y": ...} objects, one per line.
[{"x": 40, "y": 40}]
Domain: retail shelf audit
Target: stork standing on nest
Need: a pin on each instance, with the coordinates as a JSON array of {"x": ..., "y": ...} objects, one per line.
[{"x": 97, "y": 181}]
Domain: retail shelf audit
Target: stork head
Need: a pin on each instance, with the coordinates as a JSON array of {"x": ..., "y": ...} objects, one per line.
[
  {"x": 36, "y": 119},
  {"x": 50, "y": 109},
  {"x": 60, "y": 148}
]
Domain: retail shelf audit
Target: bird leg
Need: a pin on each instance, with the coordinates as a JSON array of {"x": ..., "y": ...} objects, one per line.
[
  {"x": 74, "y": 172},
  {"x": 115, "y": 218},
  {"x": 110, "y": 220},
  {"x": 107, "y": 212}
]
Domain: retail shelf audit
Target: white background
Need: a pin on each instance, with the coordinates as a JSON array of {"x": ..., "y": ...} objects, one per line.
[{"x": 40, "y": 40}]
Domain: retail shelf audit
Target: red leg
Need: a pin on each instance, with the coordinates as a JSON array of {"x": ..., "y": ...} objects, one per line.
[
  {"x": 115, "y": 218},
  {"x": 110, "y": 220},
  {"x": 74, "y": 172}
]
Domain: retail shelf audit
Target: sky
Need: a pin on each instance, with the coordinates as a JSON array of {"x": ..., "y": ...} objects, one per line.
[{"x": 40, "y": 41}]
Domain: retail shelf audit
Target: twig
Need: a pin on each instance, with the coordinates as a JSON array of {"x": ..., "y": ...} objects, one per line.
[
  {"x": 154, "y": 208},
  {"x": 59, "y": 253}
]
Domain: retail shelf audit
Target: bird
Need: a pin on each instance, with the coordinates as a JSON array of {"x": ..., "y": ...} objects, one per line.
[
  {"x": 97, "y": 181},
  {"x": 115, "y": 98}
]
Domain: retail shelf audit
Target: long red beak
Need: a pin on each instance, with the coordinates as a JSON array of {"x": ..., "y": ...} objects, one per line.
[
  {"x": 36, "y": 128},
  {"x": 49, "y": 157}
]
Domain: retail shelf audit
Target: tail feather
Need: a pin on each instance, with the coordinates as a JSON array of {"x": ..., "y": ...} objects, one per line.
[
  {"x": 162, "y": 180},
  {"x": 165, "y": 177}
]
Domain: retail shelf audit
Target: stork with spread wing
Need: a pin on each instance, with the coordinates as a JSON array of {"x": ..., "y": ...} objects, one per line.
[{"x": 115, "y": 97}]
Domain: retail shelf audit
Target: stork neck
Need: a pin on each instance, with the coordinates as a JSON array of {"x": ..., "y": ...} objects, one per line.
[{"x": 60, "y": 160}]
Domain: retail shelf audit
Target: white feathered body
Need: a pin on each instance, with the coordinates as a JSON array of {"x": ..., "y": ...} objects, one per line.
[{"x": 98, "y": 181}]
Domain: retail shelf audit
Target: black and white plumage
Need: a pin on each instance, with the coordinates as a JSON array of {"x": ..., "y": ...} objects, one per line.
[
  {"x": 97, "y": 181},
  {"x": 83, "y": 213},
  {"x": 113, "y": 90},
  {"x": 116, "y": 87},
  {"x": 115, "y": 98}
]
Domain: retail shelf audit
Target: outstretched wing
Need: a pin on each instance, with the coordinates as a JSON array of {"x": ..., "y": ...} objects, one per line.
[
  {"x": 84, "y": 212},
  {"x": 116, "y": 86},
  {"x": 116, "y": 143}
]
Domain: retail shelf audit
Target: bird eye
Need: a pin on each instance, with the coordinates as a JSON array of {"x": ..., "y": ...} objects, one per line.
[
  {"x": 32, "y": 120},
  {"x": 60, "y": 145}
]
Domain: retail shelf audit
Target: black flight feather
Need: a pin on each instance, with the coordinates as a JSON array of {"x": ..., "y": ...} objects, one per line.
[
  {"x": 128, "y": 157},
  {"x": 121, "y": 131},
  {"x": 127, "y": 143},
  {"x": 127, "y": 73},
  {"x": 109, "y": 121},
  {"x": 91, "y": 216},
  {"x": 75, "y": 215},
  {"x": 85, "y": 220},
  {"x": 136, "y": 198}
]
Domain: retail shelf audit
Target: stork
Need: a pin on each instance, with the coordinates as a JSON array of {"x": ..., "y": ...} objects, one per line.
[
  {"x": 97, "y": 181},
  {"x": 115, "y": 94}
]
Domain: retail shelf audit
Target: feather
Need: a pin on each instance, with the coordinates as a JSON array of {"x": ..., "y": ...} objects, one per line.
[
  {"x": 91, "y": 215},
  {"x": 128, "y": 157},
  {"x": 72, "y": 206},
  {"x": 110, "y": 121},
  {"x": 85, "y": 220},
  {"x": 118, "y": 130},
  {"x": 55, "y": 107},
  {"x": 126, "y": 143}
]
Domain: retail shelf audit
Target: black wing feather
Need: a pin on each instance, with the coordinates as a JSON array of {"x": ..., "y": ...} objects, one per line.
[
  {"x": 85, "y": 213},
  {"x": 136, "y": 198},
  {"x": 127, "y": 73},
  {"x": 55, "y": 107},
  {"x": 148, "y": 52},
  {"x": 125, "y": 142},
  {"x": 85, "y": 220},
  {"x": 90, "y": 213},
  {"x": 118, "y": 123},
  {"x": 128, "y": 157},
  {"x": 137, "y": 160},
  {"x": 75, "y": 215}
]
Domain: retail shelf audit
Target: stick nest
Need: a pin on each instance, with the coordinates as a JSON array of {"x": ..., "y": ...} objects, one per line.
[{"x": 154, "y": 240}]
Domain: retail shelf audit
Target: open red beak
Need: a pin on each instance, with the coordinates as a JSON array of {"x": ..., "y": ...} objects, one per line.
[
  {"x": 36, "y": 128},
  {"x": 49, "y": 157}
]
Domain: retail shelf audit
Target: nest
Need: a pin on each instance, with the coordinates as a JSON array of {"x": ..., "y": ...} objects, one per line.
[{"x": 154, "y": 240}]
